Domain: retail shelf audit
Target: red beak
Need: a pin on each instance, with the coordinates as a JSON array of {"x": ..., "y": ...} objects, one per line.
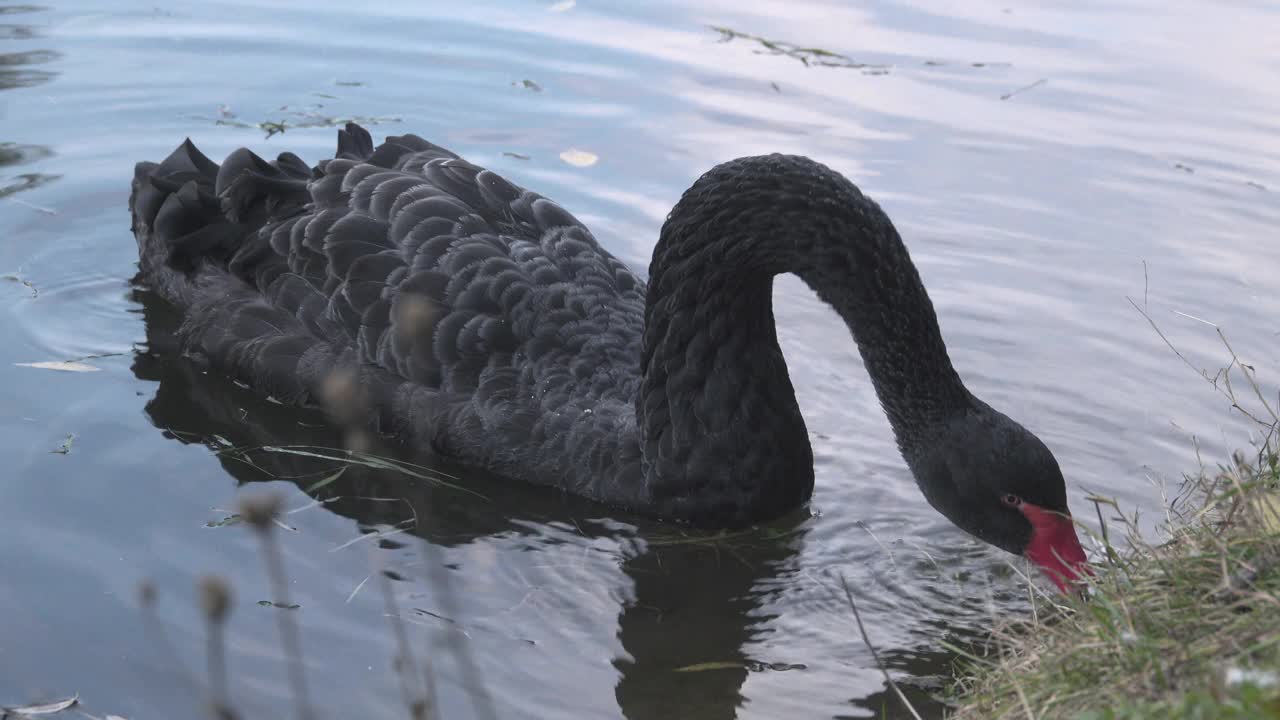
[{"x": 1055, "y": 547}]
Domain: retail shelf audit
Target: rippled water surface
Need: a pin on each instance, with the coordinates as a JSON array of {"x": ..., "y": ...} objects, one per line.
[{"x": 1044, "y": 161}]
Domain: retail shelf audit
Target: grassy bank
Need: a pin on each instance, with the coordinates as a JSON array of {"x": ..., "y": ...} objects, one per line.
[{"x": 1187, "y": 628}]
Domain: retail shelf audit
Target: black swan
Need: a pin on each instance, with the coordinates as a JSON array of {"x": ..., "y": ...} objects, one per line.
[{"x": 483, "y": 321}]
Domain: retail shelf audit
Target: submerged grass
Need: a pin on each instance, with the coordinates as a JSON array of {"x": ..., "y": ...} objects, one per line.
[{"x": 1186, "y": 629}]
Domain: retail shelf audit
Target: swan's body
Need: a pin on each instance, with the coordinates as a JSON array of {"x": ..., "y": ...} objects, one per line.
[{"x": 484, "y": 321}]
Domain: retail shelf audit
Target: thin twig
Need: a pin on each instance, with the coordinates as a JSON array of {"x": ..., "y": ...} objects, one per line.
[
  {"x": 1213, "y": 380},
  {"x": 1024, "y": 88}
]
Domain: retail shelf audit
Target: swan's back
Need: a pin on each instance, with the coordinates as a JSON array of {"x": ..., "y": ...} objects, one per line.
[{"x": 471, "y": 314}]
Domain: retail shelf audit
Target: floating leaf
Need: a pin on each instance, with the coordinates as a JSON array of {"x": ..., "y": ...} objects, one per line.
[
  {"x": 515, "y": 155},
  {"x": 62, "y": 365},
  {"x": 45, "y": 709},
  {"x": 579, "y": 158},
  {"x": 563, "y": 5},
  {"x": 717, "y": 665},
  {"x": 529, "y": 85},
  {"x": 282, "y": 606}
]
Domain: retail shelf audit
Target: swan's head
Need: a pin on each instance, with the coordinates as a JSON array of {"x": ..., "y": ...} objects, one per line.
[{"x": 998, "y": 481}]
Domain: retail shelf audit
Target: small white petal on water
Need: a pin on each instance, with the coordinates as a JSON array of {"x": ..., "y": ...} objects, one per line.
[{"x": 579, "y": 158}]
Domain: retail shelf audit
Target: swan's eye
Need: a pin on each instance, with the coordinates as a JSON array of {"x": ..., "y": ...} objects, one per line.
[{"x": 1011, "y": 500}]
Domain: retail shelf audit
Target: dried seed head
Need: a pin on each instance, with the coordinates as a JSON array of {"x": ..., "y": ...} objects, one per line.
[
  {"x": 215, "y": 598},
  {"x": 357, "y": 441},
  {"x": 416, "y": 312},
  {"x": 259, "y": 511},
  {"x": 343, "y": 398},
  {"x": 338, "y": 389}
]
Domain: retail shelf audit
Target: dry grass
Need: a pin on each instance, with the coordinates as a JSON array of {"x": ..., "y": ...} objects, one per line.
[{"x": 1187, "y": 628}]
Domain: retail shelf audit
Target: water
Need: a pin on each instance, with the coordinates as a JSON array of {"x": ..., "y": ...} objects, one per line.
[{"x": 1146, "y": 165}]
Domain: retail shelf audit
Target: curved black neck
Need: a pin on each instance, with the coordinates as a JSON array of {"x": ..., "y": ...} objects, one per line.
[{"x": 722, "y": 437}]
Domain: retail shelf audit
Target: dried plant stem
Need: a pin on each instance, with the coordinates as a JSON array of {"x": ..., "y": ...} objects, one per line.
[
  {"x": 289, "y": 639},
  {"x": 420, "y": 702},
  {"x": 215, "y": 648},
  {"x": 875, "y": 655},
  {"x": 261, "y": 514},
  {"x": 215, "y": 600},
  {"x": 154, "y": 627},
  {"x": 481, "y": 701}
]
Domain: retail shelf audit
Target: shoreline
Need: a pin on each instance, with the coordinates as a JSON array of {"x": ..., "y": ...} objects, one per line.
[{"x": 1188, "y": 628}]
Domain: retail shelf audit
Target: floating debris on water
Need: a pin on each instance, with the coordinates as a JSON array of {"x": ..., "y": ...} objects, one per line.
[
  {"x": 42, "y": 709},
  {"x": 1024, "y": 88},
  {"x": 310, "y": 116},
  {"x": 579, "y": 158},
  {"x": 17, "y": 278},
  {"x": 65, "y": 447},
  {"x": 810, "y": 56},
  {"x": 61, "y": 366}
]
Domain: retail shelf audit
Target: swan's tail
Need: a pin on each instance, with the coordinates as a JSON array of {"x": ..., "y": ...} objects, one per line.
[
  {"x": 204, "y": 233},
  {"x": 188, "y": 210}
]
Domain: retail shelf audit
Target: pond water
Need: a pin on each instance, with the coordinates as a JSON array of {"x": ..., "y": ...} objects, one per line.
[{"x": 1045, "y": 162}]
